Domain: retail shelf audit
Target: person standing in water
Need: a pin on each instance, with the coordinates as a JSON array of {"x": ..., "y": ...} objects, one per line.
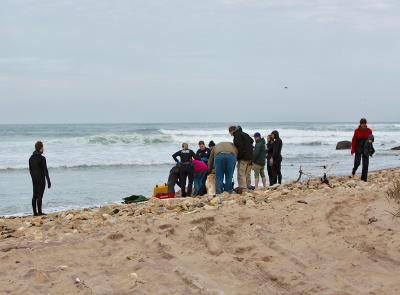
[
  {"x": 186, "y": 168},
  {"x": 39, "y": 174},
  {"x": 359, "y": 141}
]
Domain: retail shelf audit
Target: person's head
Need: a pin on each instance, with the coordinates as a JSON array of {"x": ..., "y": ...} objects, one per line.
[
  {"x": 275, "y": 134},
  {"x": 39, "y": 147},
  {"x": 202, "y": 145},
  {"x": 363, "y": 123},
  {"x": 232, "y": 130},
  {"x": 257, "y": 136},
  {"x": 269, "y": 138},
  {"x": 185, "y": 146},
  {"x": 211, "y": 144}
]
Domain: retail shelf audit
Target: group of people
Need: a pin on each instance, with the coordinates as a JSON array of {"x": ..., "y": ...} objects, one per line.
[{"x": 221, "y": 159}]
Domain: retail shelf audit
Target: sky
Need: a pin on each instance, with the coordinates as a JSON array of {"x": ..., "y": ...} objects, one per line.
[{"x": 97, "y": 61}]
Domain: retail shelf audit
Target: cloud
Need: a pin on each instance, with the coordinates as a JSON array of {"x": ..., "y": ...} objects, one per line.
[{"x": 360, "y": 14}]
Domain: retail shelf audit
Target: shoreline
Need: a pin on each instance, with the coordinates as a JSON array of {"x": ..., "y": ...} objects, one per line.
[{"x": 299, "y": 238}]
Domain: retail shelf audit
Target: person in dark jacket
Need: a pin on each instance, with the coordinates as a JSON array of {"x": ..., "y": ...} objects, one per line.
[
  {"x": 203, "y": 153},
  {"x": 211, "y": 145},
  {"x": 186, "y": 168},
  {"x": 259, "y": 156},
  {"x": 244, "y": 144},
  {"x": 269, "y": 156},
  {"x": 359, "y": 141},
  {"x": 276, "y": 158},
  {"x": 173, "y": 179},
  {"x": 39, "y": 174}
]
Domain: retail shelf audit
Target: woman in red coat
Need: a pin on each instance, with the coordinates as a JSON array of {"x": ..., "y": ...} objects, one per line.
[{"x": 360, "y": 138}]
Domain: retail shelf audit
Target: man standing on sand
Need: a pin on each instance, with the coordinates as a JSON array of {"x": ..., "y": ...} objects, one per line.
[
  {"x": 39, "y": 174},
  {"x": 259, "y": 156},
  {"x": 360, "y": 140},
  {"x": 244, "y": 144},
  {"x": 276, "y": 158}
]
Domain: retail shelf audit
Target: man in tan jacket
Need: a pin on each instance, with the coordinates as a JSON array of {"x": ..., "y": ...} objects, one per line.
[{"x": 223, "y": 161}]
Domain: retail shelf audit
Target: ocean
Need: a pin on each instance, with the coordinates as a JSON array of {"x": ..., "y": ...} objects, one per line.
[{"x": 96, "y": 164}]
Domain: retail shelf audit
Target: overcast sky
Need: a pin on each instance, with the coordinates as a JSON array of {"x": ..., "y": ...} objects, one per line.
[{"x": 65, "y": 61}]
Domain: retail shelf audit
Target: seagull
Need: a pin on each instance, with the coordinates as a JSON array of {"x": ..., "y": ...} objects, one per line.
[{"x": 286, "y": 87}]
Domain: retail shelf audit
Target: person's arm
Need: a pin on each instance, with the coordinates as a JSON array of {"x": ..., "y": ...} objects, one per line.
[
  {"x": 194, "y": 156},
  {"x": 354, "y": 143},
  {"x": 176, "y": 155},
  {"x": 46, "y": 172},
  {"x": 30, "y": 168}
]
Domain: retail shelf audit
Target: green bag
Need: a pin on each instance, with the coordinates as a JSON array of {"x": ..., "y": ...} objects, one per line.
[{"x": 135, "y": 199}]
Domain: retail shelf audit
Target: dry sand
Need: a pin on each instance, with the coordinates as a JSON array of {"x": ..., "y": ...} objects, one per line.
[{"x": 338, "y": 240}]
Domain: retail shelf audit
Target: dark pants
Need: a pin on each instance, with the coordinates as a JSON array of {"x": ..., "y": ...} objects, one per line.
[
  {"x": 276, "y": 175},
  {"x": 269, "y": 171},
  {"x": 38, "y": 191},
  {"x": 365, "y": 164},
  {"x": 186, "y": 173}
]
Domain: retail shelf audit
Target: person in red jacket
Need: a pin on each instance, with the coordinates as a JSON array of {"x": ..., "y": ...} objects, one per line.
[{"x": 360, "y": 138}]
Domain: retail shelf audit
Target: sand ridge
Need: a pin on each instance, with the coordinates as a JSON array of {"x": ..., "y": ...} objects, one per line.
[{"x": 301, "y": 238}]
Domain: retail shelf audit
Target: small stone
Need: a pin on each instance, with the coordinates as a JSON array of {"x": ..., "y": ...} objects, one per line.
[
  {"x": 250, "y": 203},
  {"x": 69, "y": 216},
  {"x": 208, "y": 207},
  {"x": 77, "y": 280},
  {"x": 134, "y": 275},
  {"x": 63, "y": 267}
]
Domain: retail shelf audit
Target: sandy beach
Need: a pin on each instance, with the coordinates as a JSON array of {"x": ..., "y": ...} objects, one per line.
[{"x": 301, "y": 238}]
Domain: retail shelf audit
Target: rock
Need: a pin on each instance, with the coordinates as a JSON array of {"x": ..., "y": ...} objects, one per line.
[
  {"x": 343, "y": 145},
  {"x": 69, "y": 216},
  {"x": 63, "y": 267},
  {"x": 208, "y": 207},
  {"x": 215, "y": 201},
  {"x": 106, "y": 216},
  {"x": 250, "y": 203},
  {"x": 397, "y": 148}
]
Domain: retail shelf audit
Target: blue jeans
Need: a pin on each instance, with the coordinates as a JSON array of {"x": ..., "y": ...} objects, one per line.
[
  {"x": 224, "y": 167},
  {"x": 198, "y": 182}
]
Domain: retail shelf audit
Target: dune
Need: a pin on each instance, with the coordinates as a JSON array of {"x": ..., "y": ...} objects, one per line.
[{"x": 300, "y": 238}]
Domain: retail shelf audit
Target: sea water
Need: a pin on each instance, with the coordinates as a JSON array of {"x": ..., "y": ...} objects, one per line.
[{"x": 96, "y": 164}]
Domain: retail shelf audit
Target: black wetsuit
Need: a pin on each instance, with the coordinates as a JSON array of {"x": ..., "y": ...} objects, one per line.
[
  {"x": 277, "y": 159},
  {"x": 186, "y": 169},
  {"x": 173, "y": 179},
  {"x": 269, "y": 168},
  {"x": 39, "y": 175}
]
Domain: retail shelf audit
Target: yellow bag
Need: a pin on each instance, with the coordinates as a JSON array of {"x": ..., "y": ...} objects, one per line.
[{"x": 160, "y": 190}]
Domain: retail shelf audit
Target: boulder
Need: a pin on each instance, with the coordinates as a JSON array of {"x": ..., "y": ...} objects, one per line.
[
  {"x": 343, "y": 145},
  {"x": 397, "y": 148}
]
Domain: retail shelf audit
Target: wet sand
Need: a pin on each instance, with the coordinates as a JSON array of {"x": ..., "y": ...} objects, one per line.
[{"x": 301, "y": 238}]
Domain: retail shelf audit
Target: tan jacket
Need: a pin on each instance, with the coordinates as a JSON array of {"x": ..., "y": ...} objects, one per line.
[{"x": 222, "y": 147}]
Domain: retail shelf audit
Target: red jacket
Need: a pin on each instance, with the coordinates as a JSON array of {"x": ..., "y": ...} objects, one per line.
[{"x": 359, "y": 135}]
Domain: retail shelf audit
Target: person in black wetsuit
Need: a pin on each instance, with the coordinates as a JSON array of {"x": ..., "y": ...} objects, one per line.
[
  {"x": 276, "y": 159},
  {"x": 269, "y": 156},
  {"x": 39, "y": 175},
  {"x": 186, "y": 168}
]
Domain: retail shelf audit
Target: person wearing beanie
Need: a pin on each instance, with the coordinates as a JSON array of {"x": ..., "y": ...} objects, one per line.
[
  {"x": 358, "y": 144},
  {"x": 244, "y": 144},
  {"x": 259, "y": 156}
]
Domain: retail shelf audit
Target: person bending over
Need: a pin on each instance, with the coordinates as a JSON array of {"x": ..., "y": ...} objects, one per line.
[
  {"x": 186, "y": 168},
  {"x": 39, "y": 174},
  {"x": 200, "y": 171}
]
